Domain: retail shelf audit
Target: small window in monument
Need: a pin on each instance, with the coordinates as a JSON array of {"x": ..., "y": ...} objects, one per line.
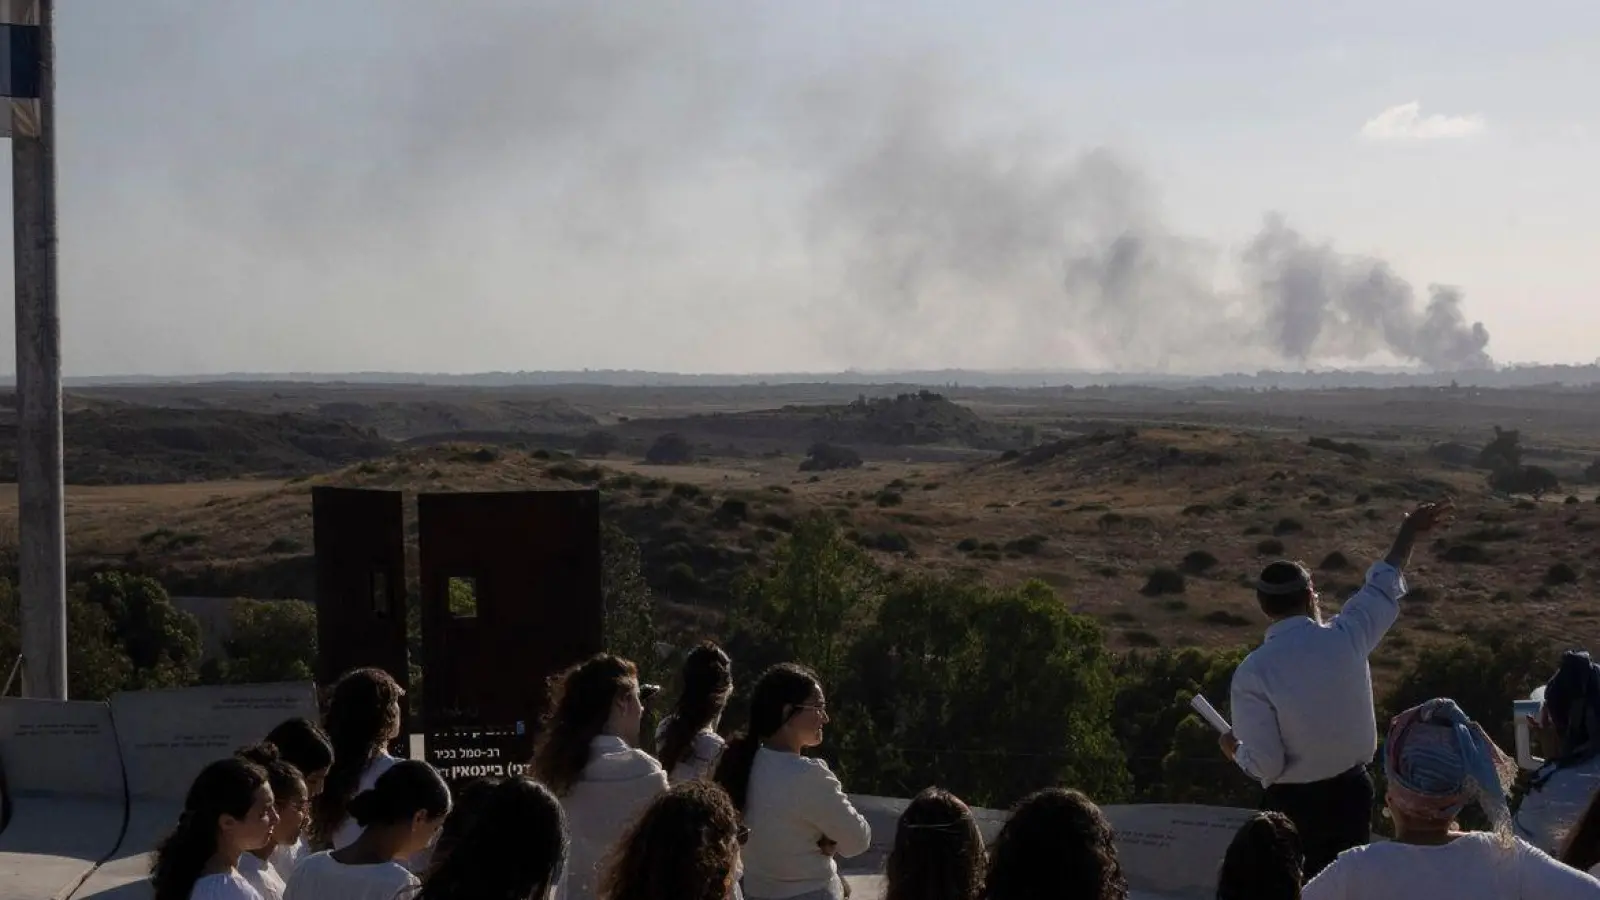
[
  {"x": 380, "y": 594},
  {"x": 463, "y": 594}
]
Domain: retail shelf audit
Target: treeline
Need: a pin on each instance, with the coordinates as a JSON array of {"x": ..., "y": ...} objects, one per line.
[{"x": 989, "y": 692}]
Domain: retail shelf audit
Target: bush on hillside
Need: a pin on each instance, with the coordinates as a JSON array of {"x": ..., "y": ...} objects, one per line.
[
  {"x": 671, "y": 449},
  {"x": 1163, "y": 580},
  {"x": 828, "y": 457},
  {"x": 1197, "y": 561}
]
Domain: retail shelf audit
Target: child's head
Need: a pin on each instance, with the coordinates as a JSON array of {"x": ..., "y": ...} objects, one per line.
[
  {"x": 1264, "y": 862},
  {"x": 289, "y": 793},
  {"x": 938, "y": 850},
  {"x": 303, "y": 744},
  {"x": 229, "y": 811},
  {"x": 408, "y": 803}
]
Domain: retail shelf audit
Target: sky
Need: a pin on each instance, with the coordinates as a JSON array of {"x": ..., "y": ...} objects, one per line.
[{"x": 718, "y": 186}]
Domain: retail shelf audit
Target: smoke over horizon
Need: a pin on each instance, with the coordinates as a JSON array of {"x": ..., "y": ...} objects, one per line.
[{"x": 875, "y": 205}]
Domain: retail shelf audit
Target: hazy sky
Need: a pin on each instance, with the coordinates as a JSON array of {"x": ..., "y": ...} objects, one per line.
[{"x": 337, "y": 185}]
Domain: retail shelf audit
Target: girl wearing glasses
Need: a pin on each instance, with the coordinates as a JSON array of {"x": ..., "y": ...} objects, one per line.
[{"x": 797, "y": 812}]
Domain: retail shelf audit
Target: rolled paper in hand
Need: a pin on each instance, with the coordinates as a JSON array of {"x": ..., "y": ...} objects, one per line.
[{"x": 1208, "y": 712}]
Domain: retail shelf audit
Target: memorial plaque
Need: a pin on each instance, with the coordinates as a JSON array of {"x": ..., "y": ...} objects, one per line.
[
  {"x": 1174, "y": 850},
  {"x": 361, "y": 586},
  {"x": 167, "y": 737},
  {"x": 511, "y": 594},
  {"x": 59, "y": 748}
]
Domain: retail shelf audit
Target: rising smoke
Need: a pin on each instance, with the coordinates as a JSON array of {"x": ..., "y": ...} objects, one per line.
[{"x": 492, "y": 160}]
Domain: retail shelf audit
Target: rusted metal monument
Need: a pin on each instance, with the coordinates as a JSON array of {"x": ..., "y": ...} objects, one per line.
[{"x": 510, "y": 594}]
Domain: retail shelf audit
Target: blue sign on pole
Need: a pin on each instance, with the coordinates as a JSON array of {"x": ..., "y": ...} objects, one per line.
[{"x": 19, "y": 62}]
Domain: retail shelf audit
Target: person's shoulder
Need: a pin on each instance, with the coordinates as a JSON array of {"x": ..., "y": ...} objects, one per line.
[
  {"x": 708, "y": 744},
  {"x": 813, "y": 767},
  {"x": 226, "y": 886}
]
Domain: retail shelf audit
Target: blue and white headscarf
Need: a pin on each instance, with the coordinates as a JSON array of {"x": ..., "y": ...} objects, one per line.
[{"x": 1438, "y": 761}]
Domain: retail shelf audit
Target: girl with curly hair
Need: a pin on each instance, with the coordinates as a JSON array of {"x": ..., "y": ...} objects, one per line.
[
  {"x": 513, "y": 847},
  {"x": 1056, "y": 843},
  {"x": 585, "y": 755},
  {"x": 938, "y": 851},
  {"x": 227, "y": 813},
  {"x": 363, "y": 718},
  {"x": 302, "y": 744},
  {"x": 684, "y": 847},
  {"x": 289, "y": 799},
  {"x": 1264, "y": 862},
  {"x": 687, "y": 741}
]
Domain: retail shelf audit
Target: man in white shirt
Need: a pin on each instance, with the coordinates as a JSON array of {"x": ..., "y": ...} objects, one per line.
[{"x": 1303, "y": 719}]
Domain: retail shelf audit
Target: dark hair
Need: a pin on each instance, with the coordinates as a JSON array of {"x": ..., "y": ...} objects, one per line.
[
  {"x": 1284, "y": 572},
  {"x": 1264, "y": 862},
  {"x": 938, "y": 851},
  {"x": 780, "y": 688},
  {"x": 303, "y": 744},
  {"x": 514, "y": 849},
  {"x": 470, "y": 798},
  {"x": 580, "y": 702},
  {"x": 707, "y": 682},
  {"x": 1581, "y": 849},
  {"x": 226, "y": 787},
  {"x": 680, "y": 848},
  {"x": 284, "y": 779},
  {"x": 1056, "y": 844},
  {"x": 360, "y": 719},
  {"x": 409, "y": 787}
]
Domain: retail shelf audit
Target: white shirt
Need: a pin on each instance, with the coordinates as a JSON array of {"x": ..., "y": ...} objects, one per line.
[
  {"x": 1471, "y": 867},
  {"x": 349, "y": 830},
  {"x": 793, "y": 802},
  {"x": 704, "y": 751},
  {"x": 617, "y": 785},
  {"x": 1302, "y": 701},
  {"x": 321, "y": 877},
  {"x": 286, "y": 856},
  {"x": 262, "y": 876},
  {"x": 227, "y": 886}
]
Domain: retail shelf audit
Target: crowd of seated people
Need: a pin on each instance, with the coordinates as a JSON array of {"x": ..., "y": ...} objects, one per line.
[{"x": 325, "y": 813}]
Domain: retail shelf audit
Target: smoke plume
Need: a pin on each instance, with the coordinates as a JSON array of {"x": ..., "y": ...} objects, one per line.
[{"x": 525, "y": 184}]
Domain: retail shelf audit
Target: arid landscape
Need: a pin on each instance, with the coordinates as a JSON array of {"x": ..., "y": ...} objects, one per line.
[{"x": 1148, "y": 509}]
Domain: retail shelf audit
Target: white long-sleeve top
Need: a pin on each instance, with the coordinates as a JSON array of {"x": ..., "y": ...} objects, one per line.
[
  {"x": 1471, "y": 867},
  {"x": 793, "y": 802},
  {"x": 704, "y": 752},
  {"x": 226, "y": 886},
  {"x": 321, "y": 877},
  {"x": 262, "y": 875},
  {"x": 1302, "y": 701},
  {"x": 617, "y": 785}
]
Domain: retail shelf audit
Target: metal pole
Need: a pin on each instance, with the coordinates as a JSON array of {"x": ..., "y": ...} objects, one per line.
[{"x": 39, "y": 477}]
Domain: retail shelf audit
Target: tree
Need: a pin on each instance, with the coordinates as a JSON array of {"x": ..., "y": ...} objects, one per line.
[
  {"x": 161, "y": 641},
  {"x": 1502, "y": 452},
  {"x": 670, "y": 449},
  {"x": 1484, "y": 674},
  {"x": 270, "y": 640},
  {"x": 1535, "y": 481},
  {"x": 826, "y": 457},
  {"x": 820, "y": 590},
  {"x": 629, "y": 607},
  {"x": 991, "y": 693},
  {"x": 1150, "y": 715}
]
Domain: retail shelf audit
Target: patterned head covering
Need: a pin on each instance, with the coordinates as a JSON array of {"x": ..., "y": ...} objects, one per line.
[{"x": 1438, "y": 761}]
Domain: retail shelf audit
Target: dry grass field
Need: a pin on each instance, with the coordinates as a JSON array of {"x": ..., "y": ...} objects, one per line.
[{"x": 1092, "y": 516}]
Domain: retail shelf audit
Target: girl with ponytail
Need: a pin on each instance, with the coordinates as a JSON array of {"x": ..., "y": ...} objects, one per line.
[
  {"x": 687, "y": 742},
  {"x": 797, "y": 812},
  {"x": 228, "y": 812},
  {"x": 398, "y": 817}
]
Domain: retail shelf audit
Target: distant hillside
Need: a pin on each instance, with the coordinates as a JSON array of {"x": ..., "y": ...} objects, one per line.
[
  {"x": 905, "y": 420},
  {"x": 147, "y": 445}
]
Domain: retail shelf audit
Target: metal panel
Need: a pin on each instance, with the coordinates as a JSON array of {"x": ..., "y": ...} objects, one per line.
[
  {"x": 532, "y": 560},
  {"x": 360, "y": 541}
]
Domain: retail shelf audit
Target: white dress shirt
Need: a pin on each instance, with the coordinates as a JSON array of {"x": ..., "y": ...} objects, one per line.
[
  {"x": 1471, "y": 867},
  {"x": 1302, "y": 701}
]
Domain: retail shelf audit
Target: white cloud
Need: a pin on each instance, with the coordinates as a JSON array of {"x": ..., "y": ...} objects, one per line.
[{"x": 1407, "y": 123}]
